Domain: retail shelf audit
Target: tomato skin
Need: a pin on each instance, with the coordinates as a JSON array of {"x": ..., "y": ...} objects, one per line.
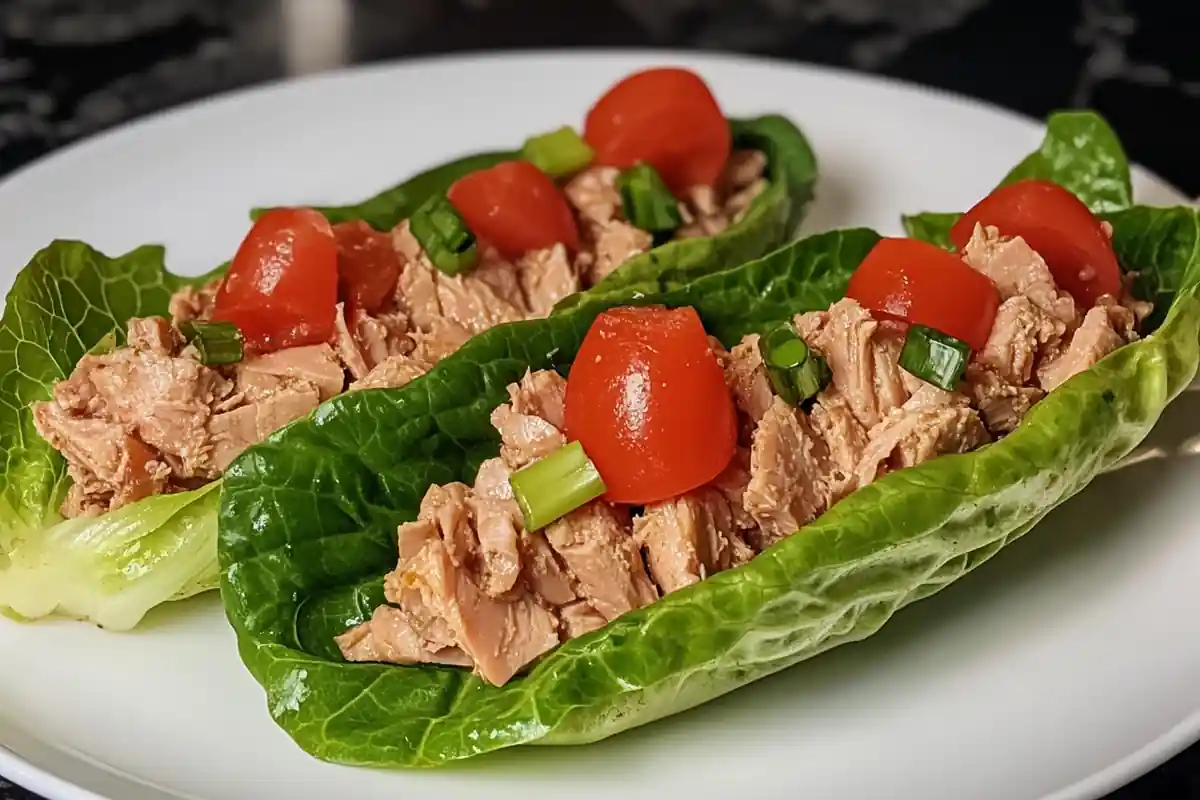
[
  {"x": 516, "y": 208},
  {"x": 1056, "y": 224},
  {"x": 916, "y": 282},
  {"x": 647, "y": 399},
  {"x": 368, "y": 266},
  {"x": 668, "y": 118},
  {"x": 281, "y": 288}
]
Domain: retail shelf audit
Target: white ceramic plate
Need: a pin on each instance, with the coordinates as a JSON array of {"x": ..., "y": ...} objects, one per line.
[{"x": 1062, "y": 668}]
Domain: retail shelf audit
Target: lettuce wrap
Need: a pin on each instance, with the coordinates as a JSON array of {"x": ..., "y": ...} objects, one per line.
[
  {"x": 308, "y": 522},
  {"x": 71, "y": 298}
]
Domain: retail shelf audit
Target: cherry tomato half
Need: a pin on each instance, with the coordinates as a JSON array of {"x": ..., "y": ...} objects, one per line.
[
  {"x": 1059, "y": 227},
  {"x": 912, "y": 281},
  {"x": 368, "y": 266},
  {"x": 515, "y": 207},
  {"x": 666, "y": 117},
  {"x": 647, "y": 400},
  {"x": 281, "y": 289}
]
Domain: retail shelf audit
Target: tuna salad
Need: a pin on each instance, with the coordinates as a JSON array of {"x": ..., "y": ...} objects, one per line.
[
  {"x": 310, "y": 309},
  {"x": 666, "y": 458}
]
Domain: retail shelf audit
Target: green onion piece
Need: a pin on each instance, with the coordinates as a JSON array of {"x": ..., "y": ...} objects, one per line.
[
  {"x": 444, "y": 236},
  {"x": 934, "y": 357},
  {"x": 556, "y": 485},
  {"x": 646, "y": 200},
  {"x": 796, "y": 372},
  {"x": 558, "y": 153},
  {"x": 216, "y": 342},
  {"x": 106, "y": 345}
]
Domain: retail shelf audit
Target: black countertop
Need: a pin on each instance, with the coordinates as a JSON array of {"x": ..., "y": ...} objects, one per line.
[{"x": 69, "y": 68}]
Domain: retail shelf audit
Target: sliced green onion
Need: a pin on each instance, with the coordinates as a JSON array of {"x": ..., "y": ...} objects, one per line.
[
  {"x": 106, "y": 345},
  {"x": 934, "y": 357},
  {"x": 556, "y": 485},
  {"x": 444, "y": 236},
  {"x": 646, "y": 200},
  {"x": 216, "y": 342},
  {"x": 796, "y": 372},
  {"x": 558, "y": 153}
]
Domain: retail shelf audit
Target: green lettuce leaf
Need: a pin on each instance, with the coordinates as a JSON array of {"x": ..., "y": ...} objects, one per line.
[
  {"x": 69, "y": 300},
  {"x": 1080, "y": 152},
  {"x": 308, "y": 518}
]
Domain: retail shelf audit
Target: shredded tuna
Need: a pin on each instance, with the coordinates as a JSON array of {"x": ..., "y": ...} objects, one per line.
[
  {"x": 1096, "y": 337},
  {"x": 746, "y": 377},
  {"x": 788, "y": 468},
  {"x": 688, "y": 538},
  {"x": 546, "y": 277},
  {"x": 392, "y": 373},
  {"x": 863, "y": 358},
  {"x": 191, "y": 303},
  {"x": 1017, "y": 270}
]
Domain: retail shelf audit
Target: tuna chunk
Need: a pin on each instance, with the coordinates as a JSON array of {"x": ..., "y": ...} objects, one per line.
[
  {"x": 190, "y": 303},
  {"x": 542, "y": 571},
  {"x": 531, "y": 423},
  {"x": 441, "y": 339},
  {"x": 546, "y": 277},
  {"x": 162, "y": 398},
  {"x": 109, "y": 466},
  {"x": 498, "y": 524},
  {"x": 1095, "y": 338},
  {"x": 747, "y": 378},
  {"x": 501, "y": 276},
  {"x": 382, "y": 336},
  {"x": 233, "y": 431},
  {"x": 1019, "y": 333},
  {"x": 501, "y": 636},
  {"x": 1001, "y": 404},
  {"x": 834, "y": 421},
  {"x": 347, "y": 346},
  {"x": 687, "y": 538},
  {"x": 153, "y": 335},
  {"x": 789, "y": 465},
  {"x": 594, "y": 194},
  {"x": 314, "y": 365},
  {"x": 594, "y": 543},
  {"x": 932, "y": 423},
  {"x": 389, "y": 638},
  {"x": 579, "y": 619},
  {"x": 863, "y": 358},
  {"x": 392, "y": 373},
  {"x": 473, "y": 304},
  {"x": 1017, "y": 270},
  {"x": 614, "y": 243}
]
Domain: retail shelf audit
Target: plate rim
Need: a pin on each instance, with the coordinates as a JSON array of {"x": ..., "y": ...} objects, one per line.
[{"x": 42, "y": 781}]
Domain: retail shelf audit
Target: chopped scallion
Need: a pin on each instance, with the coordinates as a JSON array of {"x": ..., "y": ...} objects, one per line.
[
  {"x": 934, "y": 357},
  {"x": 558, "y": 153},
  {"x": 216, "y": 342},
  {"x": 796, "y": 372},
  {"x": 444, "y": 236},
  {"x": 646, "y": 200},
  {"x": 556, "y": 485}
]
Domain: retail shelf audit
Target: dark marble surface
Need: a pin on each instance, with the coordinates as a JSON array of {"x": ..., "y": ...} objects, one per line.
[{"x": 69, "y": 68}]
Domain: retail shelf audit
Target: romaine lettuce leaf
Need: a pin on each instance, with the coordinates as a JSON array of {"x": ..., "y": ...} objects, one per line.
[
  {"x": 1080, "y": 152},
  {"x": 308, "y": 519},
  {"x": 112, "y": 569},
  {"x": 70, "y": 299}
]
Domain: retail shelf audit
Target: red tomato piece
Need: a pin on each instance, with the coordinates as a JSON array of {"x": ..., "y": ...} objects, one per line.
[
  {"x": 516, "y": 208},
  {"x": 666, "y": 117},
  {"x": 916, "y": 282},
  {"x": 647, "y": 400},
  {"x": 1059, "y": 227},
  {"x": 368, "y": 266},
  {"x": 281, "y": 288}
]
